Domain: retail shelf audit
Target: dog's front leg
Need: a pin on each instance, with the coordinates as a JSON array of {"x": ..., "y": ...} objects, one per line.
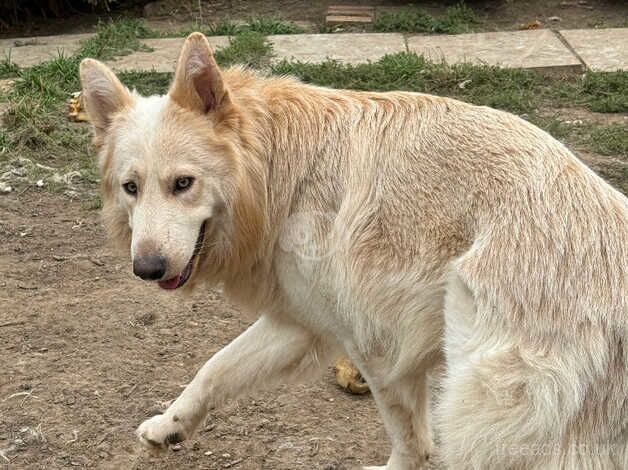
[{"x": 271, "y": 351}]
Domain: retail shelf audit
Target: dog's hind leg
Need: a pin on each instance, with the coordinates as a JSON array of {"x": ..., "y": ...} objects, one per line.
[
  {"x": 517, "y": 401},
  {"x": 271, "y": 351},
  {"x": 405, "y": 411}
]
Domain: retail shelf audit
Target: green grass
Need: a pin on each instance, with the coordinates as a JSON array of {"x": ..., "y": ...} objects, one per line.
[
  {"x": 605, "y": 92},
  {"x": 272, "y": 25},
  {"x": 265, "y": 25},
  {"x": 8, "y": 69},
  {"x": 604, "y": 139},
  {"x": 115, "y": 39},
  {"x": 224, "y": 27},
  {"x": 611, "y": 139},
  {"x": 147, "y": 83},
  {"x": 458, "y": 18},
  {"x": 4, "y": 142},
  {"x": 50, "y": 81},
  {"x": 249, "y": 48}
]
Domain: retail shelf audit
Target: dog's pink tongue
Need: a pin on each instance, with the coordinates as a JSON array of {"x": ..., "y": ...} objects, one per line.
[{"x": 170, "y": 283}]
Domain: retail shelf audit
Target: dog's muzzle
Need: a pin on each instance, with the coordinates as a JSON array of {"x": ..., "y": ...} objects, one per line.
[{"x": 181, "y": 278}]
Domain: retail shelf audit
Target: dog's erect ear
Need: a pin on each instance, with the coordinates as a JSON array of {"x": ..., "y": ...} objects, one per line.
[
  {"x": 198, "y": 83},
  {"x": 103, "y": 94}
]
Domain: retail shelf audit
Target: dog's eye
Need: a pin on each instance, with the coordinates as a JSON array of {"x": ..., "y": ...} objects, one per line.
[
  {"x": 130, "y": 188},
  {"x": 183, "y": 183}
]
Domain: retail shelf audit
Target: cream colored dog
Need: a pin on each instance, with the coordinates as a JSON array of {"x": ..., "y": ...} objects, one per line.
[{"x": 401, "y": 228}]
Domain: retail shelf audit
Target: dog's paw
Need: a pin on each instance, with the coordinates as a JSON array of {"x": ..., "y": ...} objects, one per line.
[{"x": 158, "y": 433}]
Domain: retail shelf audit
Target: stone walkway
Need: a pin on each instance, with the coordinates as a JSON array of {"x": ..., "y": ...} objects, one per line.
[{"x": 546, "y": 50}]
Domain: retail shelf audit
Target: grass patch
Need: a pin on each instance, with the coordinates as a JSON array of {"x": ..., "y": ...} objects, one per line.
[
  {"x": 603, "y": 92},
  {"x": 49, "y": 81},
  {"x": 8, "y": 69},
  {"x": 250, "y": 48},
  {"x": 610, "y": 140},
  {"x": 457, "y": 19},
  {"x": 265, "y": 25},
  {"x": 272, "y": 25},
  {"x": 116, "y": 39},
  {"x": 4, "y": 142},
  {"x": 147, "y": 83},
  {"x": 224, "y": 27}
]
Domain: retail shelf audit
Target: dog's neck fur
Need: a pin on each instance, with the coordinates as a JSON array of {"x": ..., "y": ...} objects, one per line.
[{"x": 286, "y": 137}]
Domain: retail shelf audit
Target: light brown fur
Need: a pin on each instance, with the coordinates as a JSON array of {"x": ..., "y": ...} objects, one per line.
[{"x": 436, "y": 229}]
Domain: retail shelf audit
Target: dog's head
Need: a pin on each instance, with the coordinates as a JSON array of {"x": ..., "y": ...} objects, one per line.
[{"x": 180, "y": 184}]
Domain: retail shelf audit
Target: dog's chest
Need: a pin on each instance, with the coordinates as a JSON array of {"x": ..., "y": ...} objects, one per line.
[{"x": 308, "y": 291}]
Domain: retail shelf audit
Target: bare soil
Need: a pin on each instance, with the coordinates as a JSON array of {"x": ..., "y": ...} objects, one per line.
[{"x": 87, "y": 353}]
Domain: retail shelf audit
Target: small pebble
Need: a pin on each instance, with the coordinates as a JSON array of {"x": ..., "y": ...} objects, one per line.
[{"x": 209, "y": 452}]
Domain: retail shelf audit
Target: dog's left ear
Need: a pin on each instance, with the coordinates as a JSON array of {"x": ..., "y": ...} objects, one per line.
[{"x": 198, "y": 82}]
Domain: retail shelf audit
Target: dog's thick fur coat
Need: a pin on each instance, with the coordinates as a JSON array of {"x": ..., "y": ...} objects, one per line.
[{"x": 431, "y": 231}]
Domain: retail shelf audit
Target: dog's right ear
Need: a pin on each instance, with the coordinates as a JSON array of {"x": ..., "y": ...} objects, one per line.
[
  {"x": 103, "y": 94},
  {"x": 198, "y": 82}
]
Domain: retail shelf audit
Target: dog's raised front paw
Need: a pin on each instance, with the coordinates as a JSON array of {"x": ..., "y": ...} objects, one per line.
[{"x": 161, "y": 431}]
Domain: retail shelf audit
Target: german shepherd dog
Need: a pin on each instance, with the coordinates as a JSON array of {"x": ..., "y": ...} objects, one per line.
[{"x": 404, "y": 230}]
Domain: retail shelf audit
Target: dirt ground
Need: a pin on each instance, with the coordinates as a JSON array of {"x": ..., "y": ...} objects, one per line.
[{"x": 87, "y": 353}]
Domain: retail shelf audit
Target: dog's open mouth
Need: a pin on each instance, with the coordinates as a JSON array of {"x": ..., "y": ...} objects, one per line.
[{"x": 183, "y": 276}]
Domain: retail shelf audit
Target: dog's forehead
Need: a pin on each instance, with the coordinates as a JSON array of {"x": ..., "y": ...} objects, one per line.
[
  {"x": 153, "y": 131},
  {"x": 144, "y": 127},
  {"x": 147, "y": 113}
]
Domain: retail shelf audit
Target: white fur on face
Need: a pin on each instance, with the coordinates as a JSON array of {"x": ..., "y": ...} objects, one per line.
[{"x": 149, "y": 153}]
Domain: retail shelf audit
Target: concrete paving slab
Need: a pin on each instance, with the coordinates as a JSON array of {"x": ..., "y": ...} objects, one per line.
[
  {"x": 164, "y": 56},
  {"x": 535, "y": 49},
  {"x": 350, "y": 48},
  {"x": 600, "y": 49},
  {"x": 27, "y": 52}
]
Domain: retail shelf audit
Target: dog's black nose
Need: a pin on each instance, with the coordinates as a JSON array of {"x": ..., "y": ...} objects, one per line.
[{"x": 150, "y": 267}]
